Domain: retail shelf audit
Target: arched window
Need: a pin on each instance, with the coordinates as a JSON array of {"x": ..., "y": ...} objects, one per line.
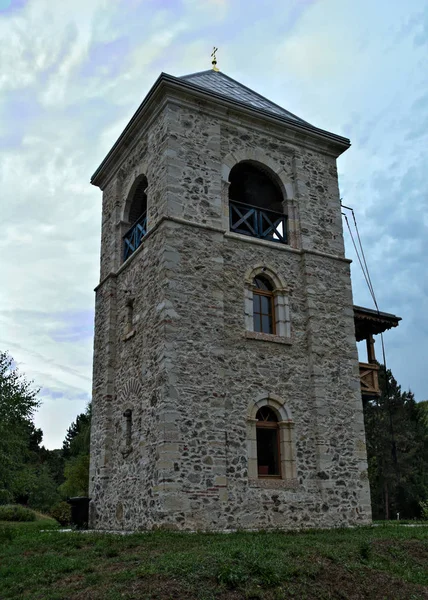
[
  {"x": 271, "y": 444},
  {"x": 256, "y": 203},
  {"x": 266, "y": 306},
  {"x": 137, "y": 217},
  {"x": 263, "y": 306},
  {"x": 268, "y": 443}
]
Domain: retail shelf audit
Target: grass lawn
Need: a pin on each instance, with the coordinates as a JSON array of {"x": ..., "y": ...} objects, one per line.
[{"x": 387, "y": 562}]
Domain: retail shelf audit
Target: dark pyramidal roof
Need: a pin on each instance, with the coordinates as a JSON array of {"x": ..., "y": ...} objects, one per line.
[
  {"x": 218, "y": 86},
  {"x": 222, "y": 84}
]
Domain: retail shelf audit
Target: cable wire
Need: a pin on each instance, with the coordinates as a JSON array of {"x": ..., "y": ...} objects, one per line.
[{"x": 367, "y": 277}]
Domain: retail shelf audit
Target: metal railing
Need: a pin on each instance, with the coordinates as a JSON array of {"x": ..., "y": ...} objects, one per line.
[
  {"x": 258, "y": 222},
  {"x": 133, "y": 237}
]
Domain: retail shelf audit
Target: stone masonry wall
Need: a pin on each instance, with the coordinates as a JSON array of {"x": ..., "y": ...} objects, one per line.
[{"x": 184, "y": 366}]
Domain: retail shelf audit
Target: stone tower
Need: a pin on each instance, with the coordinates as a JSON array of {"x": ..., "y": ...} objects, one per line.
[{"x": 226, "y": 389}]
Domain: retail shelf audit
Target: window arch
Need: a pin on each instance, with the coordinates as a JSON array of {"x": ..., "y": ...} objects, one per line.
[
  {"x": 267, "y": 310},
  {"x": 271, "y": 444},
  {"x": 256, "y": 203},
  {"x": 136, "y": 215}
]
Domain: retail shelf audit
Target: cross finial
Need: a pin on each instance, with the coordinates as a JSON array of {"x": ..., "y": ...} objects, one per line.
[{"x": 214, "y": 59}]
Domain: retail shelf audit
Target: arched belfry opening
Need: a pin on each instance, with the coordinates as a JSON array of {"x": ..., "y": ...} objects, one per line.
[
  {"x": 138, "y": 205},
  {"x": 251, "y": 184},
  {"x": 137, "y": 217},
  {"x": 256, "y": 203}
]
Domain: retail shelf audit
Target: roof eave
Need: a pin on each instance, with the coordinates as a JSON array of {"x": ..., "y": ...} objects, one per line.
[
  {"x": 339, "y": 143},
  {"x": 372, "y": 322}
]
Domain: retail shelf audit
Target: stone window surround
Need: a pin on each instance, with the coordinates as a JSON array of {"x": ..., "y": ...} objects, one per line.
[
  {"x": 129, "y": 324},
  {"x": 126, "y": 448},
  {"x": 281, "y": 306},
  {"x": 288, "y": 478}
]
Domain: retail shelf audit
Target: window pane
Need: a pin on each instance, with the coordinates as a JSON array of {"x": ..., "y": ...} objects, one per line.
[
  {"x": 257, "y": 322},
  {"x": 266, "y": 324},
  {"x": 266, "y": 304},
  {"x": 267, "y": 451},
  {"x": 265, "y": 413},
  {"x": 262, "y": 283},
  {"x": 256, "y": 303}
]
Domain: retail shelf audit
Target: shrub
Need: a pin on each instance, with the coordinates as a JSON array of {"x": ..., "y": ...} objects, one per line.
[
  {"x": 5, "y": 496},
  {"x": 424, "y": 510},
  {"x": 16, "y": 512},
  {"x": 62, "y": 513}
]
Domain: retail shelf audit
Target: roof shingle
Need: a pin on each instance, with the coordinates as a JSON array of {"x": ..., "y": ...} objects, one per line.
[{"x": 224, "y": 85}]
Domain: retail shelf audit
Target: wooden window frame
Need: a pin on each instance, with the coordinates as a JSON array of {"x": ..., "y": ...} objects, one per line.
[
  {"x": 275, "y": 426},
  {"x": 270, "y": 295},
  {"x": 272, "y": 425}
]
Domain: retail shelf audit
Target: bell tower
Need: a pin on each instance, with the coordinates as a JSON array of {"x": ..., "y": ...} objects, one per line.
[{"x": 226, "y": 388}]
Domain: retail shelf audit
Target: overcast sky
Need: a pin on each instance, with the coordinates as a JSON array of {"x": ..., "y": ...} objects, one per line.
[{"x": 73, "y": 73}]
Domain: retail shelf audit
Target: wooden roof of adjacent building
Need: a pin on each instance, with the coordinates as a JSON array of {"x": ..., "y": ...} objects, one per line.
[{"x": 371, "y": 322}]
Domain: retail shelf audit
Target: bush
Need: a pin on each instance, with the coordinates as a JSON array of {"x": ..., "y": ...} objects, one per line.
[
  {"x": 5, "y": 496},
  {"x": 62, "y": 513},
  {"x": 424, "y": 510},
  {"x": 16, "y": 512}
]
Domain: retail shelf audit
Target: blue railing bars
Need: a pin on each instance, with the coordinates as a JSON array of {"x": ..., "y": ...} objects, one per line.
[
  {"x": 133, "y": 237},
  {"x": 258, "y": 222}
]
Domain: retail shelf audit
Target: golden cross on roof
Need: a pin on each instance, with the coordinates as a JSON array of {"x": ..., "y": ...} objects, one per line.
[{"x": 214, "y": 59}]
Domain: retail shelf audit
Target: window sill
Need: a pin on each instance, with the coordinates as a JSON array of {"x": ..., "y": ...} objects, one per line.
[
  {"x": 129, "y": 335},
  {"x": 273, "y": 483},
  {"x": 267, "y": 337}
]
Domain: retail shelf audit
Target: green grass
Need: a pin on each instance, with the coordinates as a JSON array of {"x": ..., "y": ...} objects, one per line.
[{"x": 381, "y": 562}]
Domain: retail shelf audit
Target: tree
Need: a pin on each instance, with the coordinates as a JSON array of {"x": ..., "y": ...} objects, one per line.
[
  {"x": 18, "y": 402},
  {"x": 77, "y": 437},
  {"x": 76, "y": 453},
  {"x": 423, "y": 410},
  {"x": 397, "y": 449}
]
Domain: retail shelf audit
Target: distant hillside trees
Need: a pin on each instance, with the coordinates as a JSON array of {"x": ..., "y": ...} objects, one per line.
[
  {"x": 25, "y": 475},
  {"x": 29, "y": 473}
]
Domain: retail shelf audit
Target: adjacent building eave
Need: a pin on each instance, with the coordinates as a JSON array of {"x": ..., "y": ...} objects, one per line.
[
  {"x": 372, "y": 322},
  {"x": 167, "y": 82}
]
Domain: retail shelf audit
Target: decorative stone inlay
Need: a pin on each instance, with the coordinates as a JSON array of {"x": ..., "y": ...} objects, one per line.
[{"x": 132, "y": 387}]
